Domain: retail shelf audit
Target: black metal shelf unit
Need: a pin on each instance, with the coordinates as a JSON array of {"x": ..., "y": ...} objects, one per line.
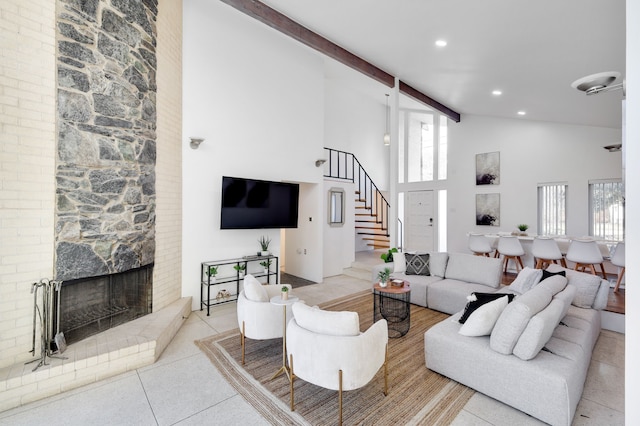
[{"x": 227, "y": 279}]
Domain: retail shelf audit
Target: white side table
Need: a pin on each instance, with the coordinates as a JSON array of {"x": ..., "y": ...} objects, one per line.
[{"x": 278, "y": 300}]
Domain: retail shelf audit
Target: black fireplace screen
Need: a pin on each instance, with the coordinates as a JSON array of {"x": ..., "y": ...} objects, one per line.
[{"x": 91, "y": 305}]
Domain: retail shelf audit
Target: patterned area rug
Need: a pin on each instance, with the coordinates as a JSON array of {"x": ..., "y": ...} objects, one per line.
[{"x": 416, "y": 395}]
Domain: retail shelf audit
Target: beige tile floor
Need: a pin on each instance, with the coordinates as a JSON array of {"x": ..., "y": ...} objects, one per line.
[{"x": 183, "y": 388}]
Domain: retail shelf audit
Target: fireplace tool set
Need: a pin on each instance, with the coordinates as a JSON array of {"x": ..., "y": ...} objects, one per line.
[{"x": 43, "y": 317}]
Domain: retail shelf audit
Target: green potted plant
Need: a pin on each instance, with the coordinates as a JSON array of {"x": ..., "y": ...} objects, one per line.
[
  {"x": 212, "y": 272},
  {"x": 284, "y": 291},
  {"x": 383, "y": 276},
  {"x": 265, "y": 264},
  {"x": 388, "y": 256},
  {"x": 264, "y": 245},
  {"x": 523, "y": 228},
  {"x": 240, "y": 267}
]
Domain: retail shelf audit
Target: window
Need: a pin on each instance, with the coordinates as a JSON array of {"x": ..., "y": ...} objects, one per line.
[
  {"x": 552, "y": 208},
  {"x": 422, "y": 154},
  {"x": 442, "y": 148},
  {"x": 442, "y": 220},
  {"x": 606, "y": 208}
]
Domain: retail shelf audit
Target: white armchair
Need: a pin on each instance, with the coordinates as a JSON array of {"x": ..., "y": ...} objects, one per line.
[
  {"x": 326, "y": 349},
  {"x": 257, "y": 318}
]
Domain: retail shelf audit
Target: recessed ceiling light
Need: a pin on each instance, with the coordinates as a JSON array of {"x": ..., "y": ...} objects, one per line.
[
  {"x": 522, "y": 113},
  {"x": 496, "y": 92},
  {"x": 441, "y": 43}
]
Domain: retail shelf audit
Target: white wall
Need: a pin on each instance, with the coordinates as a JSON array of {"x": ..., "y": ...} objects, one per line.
[
  {"x": 632, "y": 177},
  {"x": 339, "y": 241},
  {"x": 530, "y": 153},
  {"x": 304, "y": 244},
  {"x": 27, "y": 166},
  {"x": 256, "y": 97},
  {"x": 355, "y": 122}
]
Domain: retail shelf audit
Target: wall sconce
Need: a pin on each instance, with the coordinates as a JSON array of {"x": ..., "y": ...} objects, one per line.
[
  {"x": 195, "y": 142},
  {"x": 320, "y": 162},
  {"x": 386, "y": 139},
  {"x": 616, "y": 147}
]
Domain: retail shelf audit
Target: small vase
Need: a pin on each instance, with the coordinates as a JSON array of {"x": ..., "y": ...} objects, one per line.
[
  {"x": 212, "y": 279},
  {"x": 241, "y": 274},
  {"x": 266, "y": 270},
  {"x": 383, "y": 284},
  {"x": 264, "y": 253},
  {"x": 285, "y": 295}
]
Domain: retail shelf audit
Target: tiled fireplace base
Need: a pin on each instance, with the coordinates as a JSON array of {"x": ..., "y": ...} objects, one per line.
[{"x": 127, "y": 347}]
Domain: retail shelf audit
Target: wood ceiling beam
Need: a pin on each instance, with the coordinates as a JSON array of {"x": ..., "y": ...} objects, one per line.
[
  {"x": 286, "y": 25},
  {"x": 422, "y": 98}
]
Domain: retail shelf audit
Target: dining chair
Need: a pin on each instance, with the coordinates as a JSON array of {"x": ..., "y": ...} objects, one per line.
[
  {"x": 546, "y": 251},
  {"x": 586, "y": 255},
  {"x": 480, "y": 245},
  {"x": 510, "y": 248},
  {"x": 618, "y": 260}
]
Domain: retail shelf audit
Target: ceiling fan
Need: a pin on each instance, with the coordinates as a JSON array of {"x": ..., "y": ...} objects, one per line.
[{"x": 600, "y": 82}]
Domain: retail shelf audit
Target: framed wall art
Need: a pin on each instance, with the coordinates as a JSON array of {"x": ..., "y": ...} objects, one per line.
[
  {"x": 488, "y": 168},
  {"x": 488, "y": 209}
]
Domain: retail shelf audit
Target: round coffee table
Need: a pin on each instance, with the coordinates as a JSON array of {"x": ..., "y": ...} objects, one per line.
[{"x": 392, "y": 303}]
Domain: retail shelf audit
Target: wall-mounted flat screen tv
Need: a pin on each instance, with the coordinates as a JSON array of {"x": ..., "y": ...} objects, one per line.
[{"x": 256, "y": 204}]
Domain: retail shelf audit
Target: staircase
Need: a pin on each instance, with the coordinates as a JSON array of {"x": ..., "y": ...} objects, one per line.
[
  {"x": 368, "y": 226},
  {"x": 371, "y": 208}
]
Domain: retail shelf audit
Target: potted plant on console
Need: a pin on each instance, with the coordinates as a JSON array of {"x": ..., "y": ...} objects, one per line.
[
  {"x": 212, "y": 272},
  {"x": 240, "y": 267},
  {"x": 264, "y": 245},
  {"x": 265, "y": 264}
]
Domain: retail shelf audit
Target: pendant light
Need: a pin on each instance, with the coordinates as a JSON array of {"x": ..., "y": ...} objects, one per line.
[{"x": 387, "y": 137}]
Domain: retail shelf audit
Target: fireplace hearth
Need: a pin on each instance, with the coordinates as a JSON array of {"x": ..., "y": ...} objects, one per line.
[{"x": 92, "y": 305}]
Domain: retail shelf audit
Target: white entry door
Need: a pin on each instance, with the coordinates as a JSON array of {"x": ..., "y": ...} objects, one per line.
[{"x": 419, "y": 221}]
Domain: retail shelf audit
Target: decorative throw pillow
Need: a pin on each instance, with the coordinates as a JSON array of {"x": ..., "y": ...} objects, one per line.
[
  {"x": 399, "y": 263},
  {"x": 477, "y": 299},
  {"x": 515, "y": 318},
  {"x": 587, "y": 285},
  {"x": 482, "y": 320},
  {"x": 438, "y": 263},
  {"x": 334, "y": 323},
  {"x": 546, "y": 274},
  {"x": 539, "y": 330},
  {"x": 417, "y": 264},
  {"x": 525, "y": 280},
  {"x": 254, "y": 290}
]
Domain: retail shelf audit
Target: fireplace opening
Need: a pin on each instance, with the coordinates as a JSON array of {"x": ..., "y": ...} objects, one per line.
[{"x": 92, "y": 305}]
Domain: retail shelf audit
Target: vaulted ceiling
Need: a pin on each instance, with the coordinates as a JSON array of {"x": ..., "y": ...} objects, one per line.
[{"x": 530, "y": 50}]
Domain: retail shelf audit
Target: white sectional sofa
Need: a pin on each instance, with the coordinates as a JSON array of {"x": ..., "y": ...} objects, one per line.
[
  {"x": 536, "y": 356},
  {"x": 452, "y": 277}
]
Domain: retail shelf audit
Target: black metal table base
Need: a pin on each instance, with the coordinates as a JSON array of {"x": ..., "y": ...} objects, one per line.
[{"x": 395, "y": 308}]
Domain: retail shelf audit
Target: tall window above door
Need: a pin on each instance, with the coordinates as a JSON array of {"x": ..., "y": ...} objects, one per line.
[{"x": 423, "y": 147}]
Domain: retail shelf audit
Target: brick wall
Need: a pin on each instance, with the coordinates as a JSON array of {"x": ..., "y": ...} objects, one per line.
[
  {"x": 167, "y": 274},
  {"x": 27, "y": 161}
]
